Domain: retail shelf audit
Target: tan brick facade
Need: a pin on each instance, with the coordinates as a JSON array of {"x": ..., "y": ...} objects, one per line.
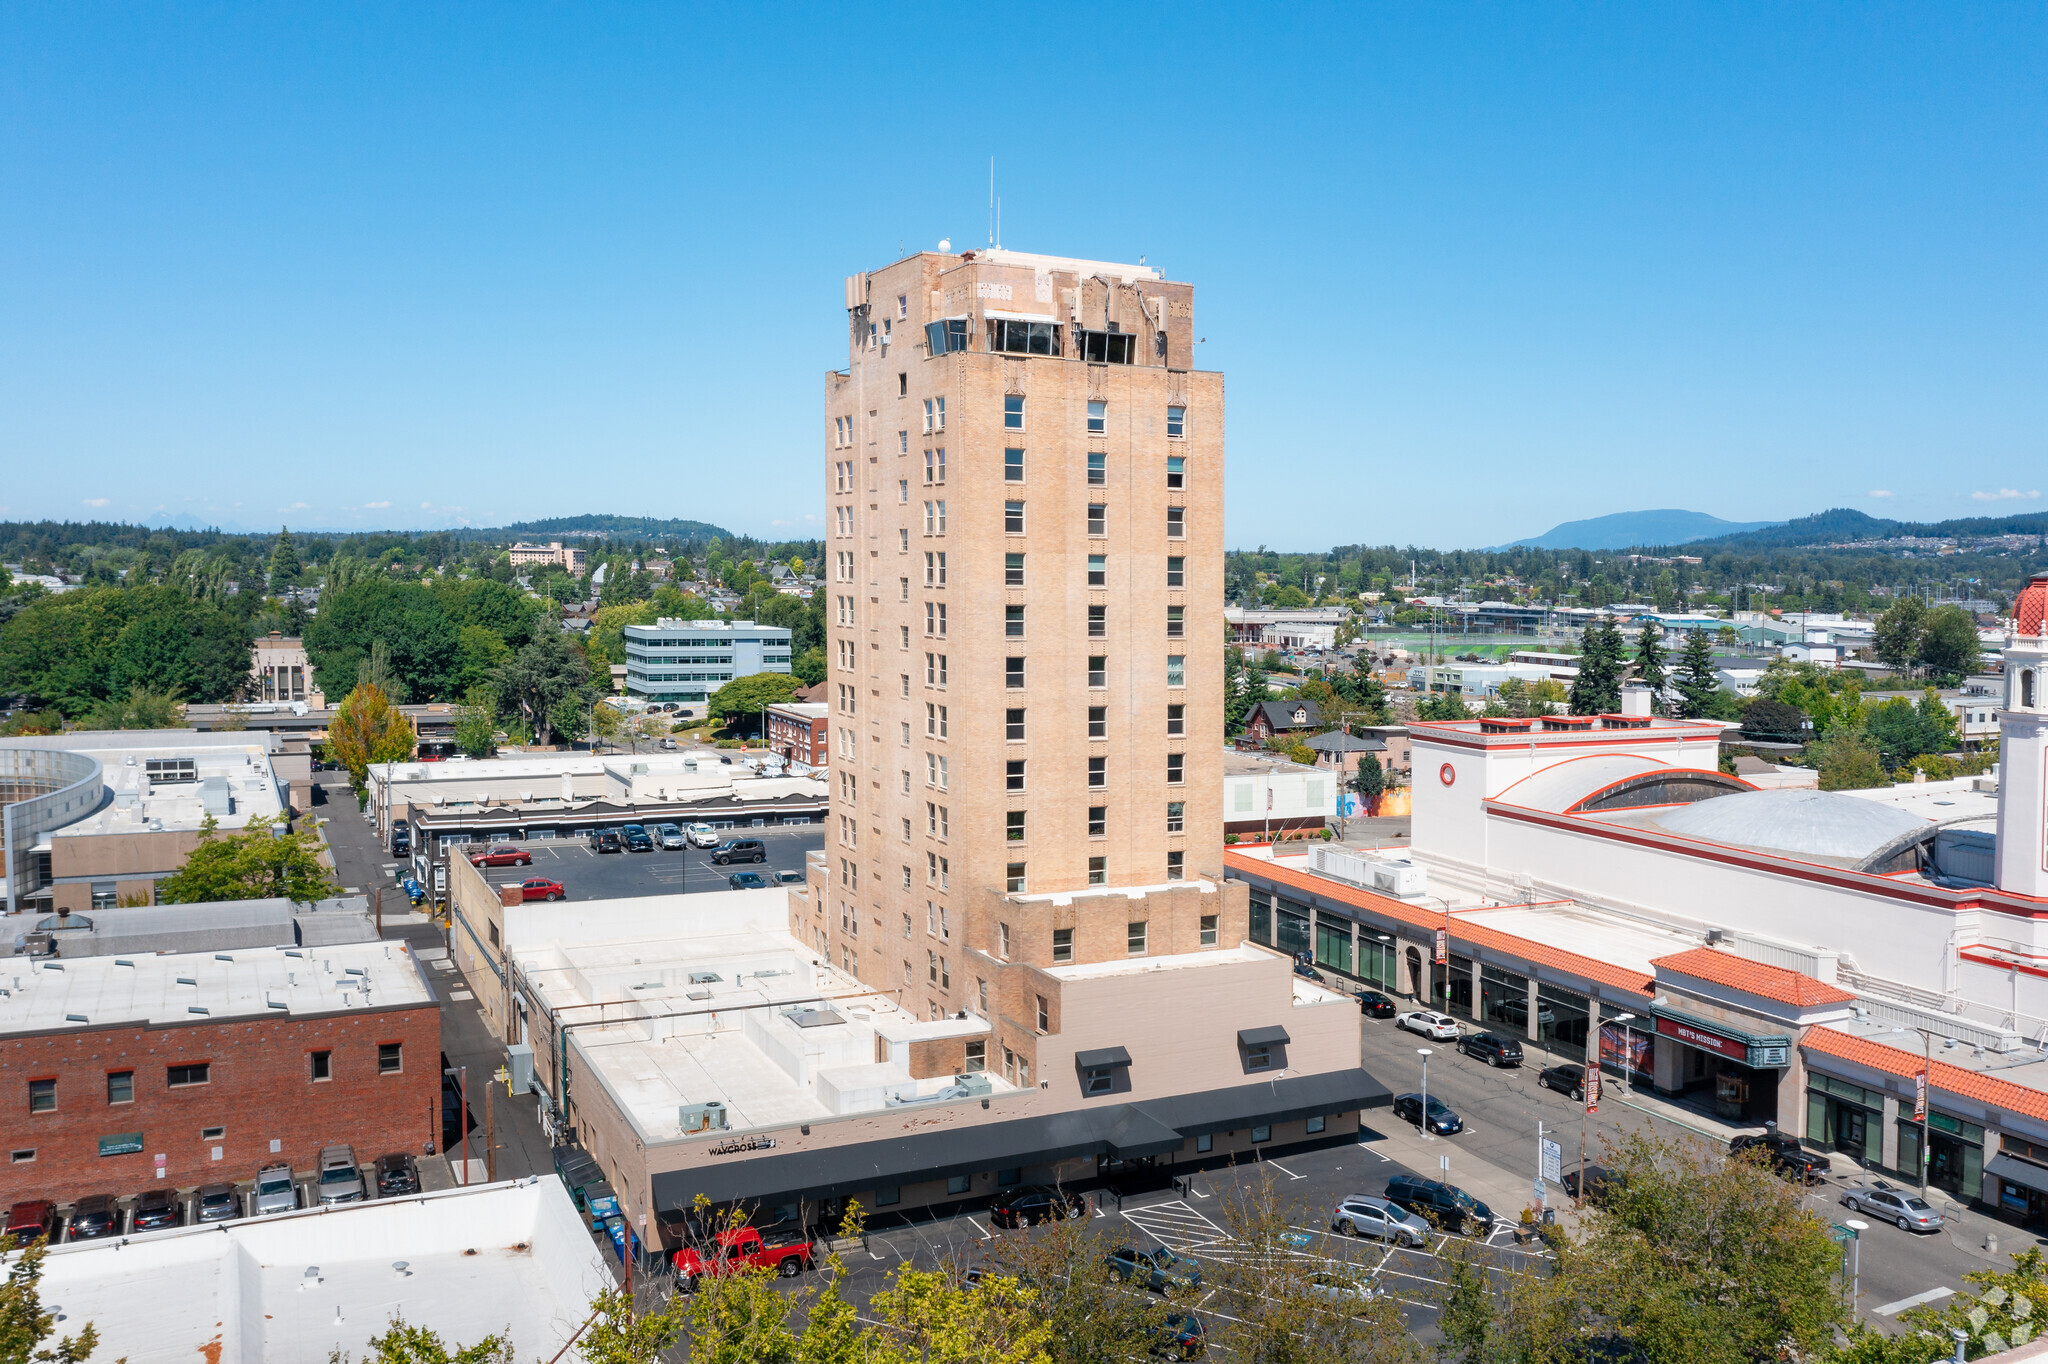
[{"x": 918, "y": 861}]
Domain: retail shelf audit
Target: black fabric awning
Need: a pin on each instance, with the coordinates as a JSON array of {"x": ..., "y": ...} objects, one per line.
[
  {"x": 2013, "y": 1170},
  {"x": 1261, "y": 1037},
  {"x": 1107, "y": 1056},
  {"x": 1126, "y": 1131}
]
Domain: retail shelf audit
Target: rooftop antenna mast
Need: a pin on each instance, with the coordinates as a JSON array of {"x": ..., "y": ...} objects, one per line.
[{"x": 991, "y": 202}]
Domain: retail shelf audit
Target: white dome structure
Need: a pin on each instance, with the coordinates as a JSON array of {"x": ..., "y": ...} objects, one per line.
[{"x": 1826, "y": 826}]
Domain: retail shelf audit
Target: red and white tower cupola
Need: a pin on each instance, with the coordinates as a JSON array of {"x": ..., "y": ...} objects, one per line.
[{"x": 2023, "y": 747}]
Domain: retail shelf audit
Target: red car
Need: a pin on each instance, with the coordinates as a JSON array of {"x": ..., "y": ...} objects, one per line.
[
  {"x": 540, "y": 888},
  {"x": 504, "y": 855},
  {"x": 743, "y": 1248}
]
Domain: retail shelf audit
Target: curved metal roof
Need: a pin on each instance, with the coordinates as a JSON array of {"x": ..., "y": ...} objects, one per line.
[
  {"x": 1820, "y": 824},
  {"x": 1608, "y": 781}
]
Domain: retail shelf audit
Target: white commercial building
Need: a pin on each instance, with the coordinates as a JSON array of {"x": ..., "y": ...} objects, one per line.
[{"x": 685, "y": 661}]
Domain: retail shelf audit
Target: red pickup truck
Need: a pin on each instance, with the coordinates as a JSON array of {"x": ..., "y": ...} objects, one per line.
[{"x": 744, "y": 1248}]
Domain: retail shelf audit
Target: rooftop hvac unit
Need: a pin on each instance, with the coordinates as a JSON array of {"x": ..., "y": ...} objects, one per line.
[
  {"x": 1398, "y": 878},
  {"x": 704, "y": 1117},
  {"x": 976, "y": 1083}
]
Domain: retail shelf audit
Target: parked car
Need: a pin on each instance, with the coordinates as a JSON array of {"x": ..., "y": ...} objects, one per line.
[
  {"x": 1159, "y": 1269},
  {"x": 606, "y": 841},
  {"x": 31, "y": 1220},
  {"x": 1034, "y": 1203},
  {"x": 1441, "y": 1119},
  {"x": 216, "y": 1203},
  {"x": 157, "y": 1209},
  {"x": 740, "y": 1248},
  {"x": 1348, "y": 1290},
  {"x": 671, "y": 836},
  {"x": 541, "y": 888},
  {"x": 1599, "y": 1182},
  {"x": 274, "y": 1190},
  {"x": 789, "y": 878},
  {"x": 1373, "y": 1004},
  {"x": 340, "y": 1181},
  {"x": 1446, "y": 1205},
  {"x": 703, "y": 836},
  {"x": 1428, "y": 1023},
  {"x": 1182, "y": 1334},
  {"x": 1491, "y": 1047},
  {"x": 92, "y": 1217},
  {"x": 740, "y": 850},
  {"x": 1909, "y": 1210},
  {"x": 1785, "y": 1154},
  {"x": 1569, "y": 1080},
  {"x": 503, "y": 855},
  {"x": 397, "y": 1173},
  {"x": 1306, "y": 968},
  {"x": 1380, "y": 1219},
  {"x": 637, "y": 838},
  {"x": 747, "y": 880},
  {"x": 401, "y": 838}
]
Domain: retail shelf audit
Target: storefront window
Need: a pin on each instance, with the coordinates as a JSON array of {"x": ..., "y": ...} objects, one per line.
[
  {"x": 1847, "y": 1117},
  {"x": 1504, "y": 1000},
  {"x": 1375, "y": 959},
  {"x": 1262, "y": 917},
  {"x": 1955, "y": 1155},
  {"x": 1290, "y": 928},
  {"x": 1561, "y": 1020},
  {"x": 1460, "y": 1001},
  {"x": 1333, "y": 944}
]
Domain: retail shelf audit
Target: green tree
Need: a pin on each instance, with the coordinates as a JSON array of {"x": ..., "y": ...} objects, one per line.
[
  {"x": 405, "y": 1343},
  {"x": 480, "y": 653},
  {"x": 368, "y": 729},
  {"x": 1948, "y": 643},
  {"x": 1902, "y": 730},
  {"x": 1896, "y": 636},
  {"x": 140, "y": 709},
  {"x": 1696, "y": 682},
  {"x": 1597, "y": 688},
  {"x": 1360, "y": 692},
  {"x": 255, "y": 864},
  {"x": 284, "y": 561},
  {"x": 1650, "y": 669},
  {"x": 1847, "y": 760},
  {"x": 25, "y": 1324},
  {"x": 539, "y": 679},
  {"x": 476, "y": 724},
  {"x": 1370, "y": 780},
  {"x": 409, "y": 620},
  {"x": 502, "y": 609},
  {"x": 742, "y": 698},
  {"x": 809, "y": 667},
  {"x": 1773, "y": 722},
  {"x": 1442, "y": 706}
]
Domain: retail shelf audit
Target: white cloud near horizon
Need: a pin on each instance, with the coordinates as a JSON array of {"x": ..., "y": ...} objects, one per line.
[
  {"x": 2006, "y": 495},
  {"x": 95, "y": 501},
  {"x": 1880, "y": 492}
]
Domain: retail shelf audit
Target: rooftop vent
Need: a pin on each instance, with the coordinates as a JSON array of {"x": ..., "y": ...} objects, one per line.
[
  {"x": 705, "y": 978},
  {"x": 1501, "y": 725},
  {"x": 75, "y": 1018},
  {"x": 197, "y": 1009}
]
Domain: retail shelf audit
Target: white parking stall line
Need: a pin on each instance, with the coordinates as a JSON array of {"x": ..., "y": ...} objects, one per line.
[
  {"x": 1284, "y": 1170},
  {"x": 1384, "y": 1160},
  {"x": 1892, "y": 1309},
  {"x": 986, "y": 1235}
]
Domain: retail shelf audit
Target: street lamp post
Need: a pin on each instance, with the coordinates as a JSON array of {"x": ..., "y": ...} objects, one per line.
[
  {"x": 1425, "y": 1053},
  {"x": 1628, "y": 1052},
  {"x": 1920, "y": 1099}
]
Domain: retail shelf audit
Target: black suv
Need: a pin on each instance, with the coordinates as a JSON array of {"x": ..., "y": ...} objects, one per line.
[
  {"x": 95, "y": 1216},
  {"x": 1491, "y": 1047},
  {"x": 637, "y": 839},
  {"x": 156, "y": 1209},
  {"x": 398, "y": 1173},
  {"x": 740, "y": 850},
  {"x": 401, "y": 838},
  {"x": 606, "y": 840},
  {"x": 1033, "y": 1204},
  {"x": 1785, "y": 1153},
  {"x": 1447, "y": 1205}
]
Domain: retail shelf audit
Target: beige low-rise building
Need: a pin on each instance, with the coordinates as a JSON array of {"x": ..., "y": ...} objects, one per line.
[
  {"x": 281, "y": 673},
  {"x": 695, "y": 1045}
]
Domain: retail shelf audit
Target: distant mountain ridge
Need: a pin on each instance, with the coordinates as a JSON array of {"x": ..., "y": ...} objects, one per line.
[
  {"x": 641, "y": 527},
  {"x": 1629, "y": 530},
  {"x": 1845, "y": 524}
]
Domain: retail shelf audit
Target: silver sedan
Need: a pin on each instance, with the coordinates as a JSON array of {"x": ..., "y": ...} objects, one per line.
[{"x": 1909, "y": 1210}]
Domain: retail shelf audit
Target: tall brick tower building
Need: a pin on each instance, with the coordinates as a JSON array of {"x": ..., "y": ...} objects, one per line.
[{"x": 1023, "y": 550}]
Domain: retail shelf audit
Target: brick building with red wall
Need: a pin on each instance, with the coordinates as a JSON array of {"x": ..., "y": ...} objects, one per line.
[
  {"x": 797, "y": 731},
  {"x": 119, "y": 1074}
]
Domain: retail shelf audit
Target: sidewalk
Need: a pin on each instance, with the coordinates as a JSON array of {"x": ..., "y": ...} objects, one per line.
[{"x": 1500, "y": 1188}]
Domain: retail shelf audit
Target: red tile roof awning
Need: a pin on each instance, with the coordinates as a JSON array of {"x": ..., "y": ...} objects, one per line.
[
  {"x": 1968, "y": 1084},
  {"x": 1753, "y": 977}
]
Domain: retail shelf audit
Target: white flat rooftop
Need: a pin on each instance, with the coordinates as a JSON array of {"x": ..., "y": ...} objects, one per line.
[
  {"x": 1139, "y": 966},
  {"x": 707, "y": 998},
  {"x": 1067, "y": 897},
  {"x": 1589, "y": 933},
  {"x": 1943, "y": 802},
  {"x": 51, "y": 994},
  {"x": 296, "y": 1287},
  {"x": 236, "y": 781}
]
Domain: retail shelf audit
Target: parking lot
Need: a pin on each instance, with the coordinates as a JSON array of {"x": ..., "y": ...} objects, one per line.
[{"x": 589, "y": 875}]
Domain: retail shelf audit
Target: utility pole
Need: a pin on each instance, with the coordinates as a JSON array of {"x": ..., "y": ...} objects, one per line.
[{"x": 490, "y": 1141}]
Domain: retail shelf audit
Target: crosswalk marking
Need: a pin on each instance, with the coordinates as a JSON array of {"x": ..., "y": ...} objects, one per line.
[
  {"x": 1175, "y": 1224},
  {"x": 1892, "y": 1309}
]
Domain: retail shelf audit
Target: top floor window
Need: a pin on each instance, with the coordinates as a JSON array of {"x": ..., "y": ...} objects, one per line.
[
  {"x": 947, "y": 335},
  {"x": 903, "y": 305},
  {"x": 1098, "y": 417},
  {"x": 1023, "y": 338},
  {"x": 1107, "y": 348},
  {"x": 1176, "y": 422}
]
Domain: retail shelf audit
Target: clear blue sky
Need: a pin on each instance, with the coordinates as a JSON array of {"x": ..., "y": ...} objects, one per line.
[{"x": 1470, "y": 271}]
